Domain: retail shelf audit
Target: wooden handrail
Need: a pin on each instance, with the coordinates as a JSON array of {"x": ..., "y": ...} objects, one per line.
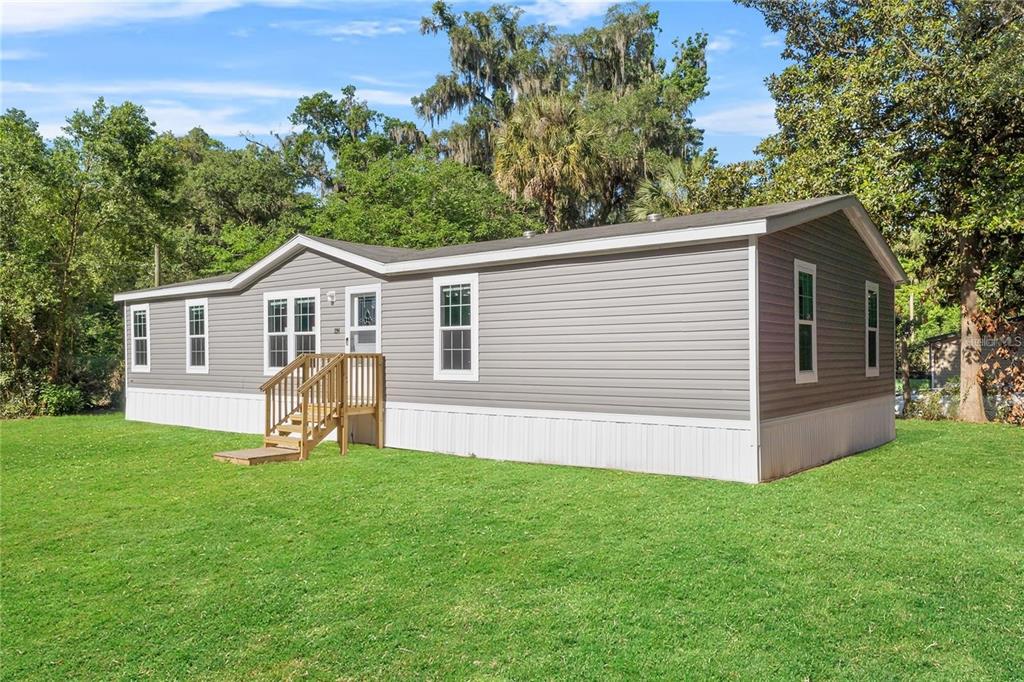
[
  {"x": 283, "y": 372},
  {"x": 321, "y": 391},
  {"x": 316, "y": 377}
]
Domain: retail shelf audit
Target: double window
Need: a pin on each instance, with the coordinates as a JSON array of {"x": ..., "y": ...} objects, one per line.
[
  {"x": 196, "y": 337},
  {"x": 805, "y": 322},
  {"x": 291, "y": 327},
  {"x": 456, "y": 338},
  {"x": 139, "y": 321},
  {"x": 870, "y": 329}
]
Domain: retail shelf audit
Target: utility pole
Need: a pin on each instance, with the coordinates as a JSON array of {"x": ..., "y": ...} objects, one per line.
[{"x": 156, "y": 265}]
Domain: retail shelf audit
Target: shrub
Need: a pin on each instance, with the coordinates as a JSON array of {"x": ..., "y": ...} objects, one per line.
[
  {"x": 56, "y": 399},
  {"x": 939, "y": 403},
  {"x": 19, "y": 392}
]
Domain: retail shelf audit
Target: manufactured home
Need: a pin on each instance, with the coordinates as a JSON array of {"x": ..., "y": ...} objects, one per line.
[{"x": 742, "y": 345}]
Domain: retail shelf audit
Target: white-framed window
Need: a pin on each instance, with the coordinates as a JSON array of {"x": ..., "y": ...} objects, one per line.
[
  {"x": 456, "y": 328},
  {"x": 362, "y": 318},
  {"x": 291, "y": 326},
  {"x": 197, "y": 345},
  {"x": 805, "y": 321},
  {"x": 871, "y": 329},
  {"x": 138, "y": 318}
]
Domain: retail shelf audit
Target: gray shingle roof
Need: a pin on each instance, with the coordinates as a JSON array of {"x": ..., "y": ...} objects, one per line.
[
  {"x": 202, "y": 280},
  {"x": 388, "y": 254}
]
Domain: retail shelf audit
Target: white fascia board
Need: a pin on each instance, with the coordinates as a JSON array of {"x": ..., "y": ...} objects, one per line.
[
  {"x": 621, "y": 243},
  {"x": 877, "y": 244},
  {"x": 860, "y": 220},
  {"x": 628, "y": 242}
]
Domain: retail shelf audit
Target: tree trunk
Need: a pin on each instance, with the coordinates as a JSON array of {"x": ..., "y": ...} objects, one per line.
[
  {"x": 972, "y": 403},
  {"x": 550, "y": 219}
]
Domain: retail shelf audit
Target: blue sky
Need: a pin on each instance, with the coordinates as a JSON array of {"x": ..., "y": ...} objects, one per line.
[{"x": 238, "y": 67}]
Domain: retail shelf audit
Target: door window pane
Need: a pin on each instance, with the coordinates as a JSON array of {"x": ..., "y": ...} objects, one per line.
[
  {"x": 366, "y": 310},
  {"x": 364, "y": 341}
]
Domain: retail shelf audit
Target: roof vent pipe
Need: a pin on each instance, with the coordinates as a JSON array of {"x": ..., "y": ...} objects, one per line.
[
  {"x": 528, "y": 233},
  {"x": 653, "y": 217}
]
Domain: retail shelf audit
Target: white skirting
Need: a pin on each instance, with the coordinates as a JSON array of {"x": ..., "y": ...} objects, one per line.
[
  {"x": 721, "y": 449},
  {"x": 791, "y": 444},
  {"x": 237, "y": 412}
]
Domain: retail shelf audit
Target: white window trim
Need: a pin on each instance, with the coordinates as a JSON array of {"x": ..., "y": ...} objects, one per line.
[
  {"x": 473, "y": 280},
  {"x": 290, "y": 295},
  {"x": 805, "y": 377},
  {"x": 189, "y": 367},
  {"x": 868, "y": 370},
  {"x": 149, "y": 336},
  {"x": 349, "y": 327}
]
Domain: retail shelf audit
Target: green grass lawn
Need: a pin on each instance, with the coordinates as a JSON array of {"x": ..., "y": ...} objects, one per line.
[{"x": 128, "y": 552}]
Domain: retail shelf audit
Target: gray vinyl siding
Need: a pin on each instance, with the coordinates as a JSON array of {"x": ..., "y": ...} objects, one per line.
[
  {"x": 843, "y": 263},
  {"x": 235, "y": 335},
  {"x": 661, "y": 333}
]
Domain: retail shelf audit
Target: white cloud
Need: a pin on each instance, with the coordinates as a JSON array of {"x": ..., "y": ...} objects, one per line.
[
  {"x": 19, "y": 55},
  {"x": 385, "y": 97},
  {"x": 31, "y": 16},
  {"x": 20, "y": 16},
  {"x": 565, "y": 12},
  {"x": 381, "y": 82},
  {"x": 771, "y": 41},
  {"x": 352, "y": 29},
  {"x": 748, "y": 118},
  {"x": 224, "y": 121},
  {"x": 721, "y": 44},
  {"x": 178, "y": 118},
  {"x": 217, "y": 89}
]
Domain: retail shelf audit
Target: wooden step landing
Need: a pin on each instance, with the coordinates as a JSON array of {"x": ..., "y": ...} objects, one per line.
[{"x": 255, "y": 456}]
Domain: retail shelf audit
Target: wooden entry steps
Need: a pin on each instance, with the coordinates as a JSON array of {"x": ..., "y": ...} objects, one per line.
[
  {"x": 254, "y": 456},
  {"x": 315, "y": 394}
]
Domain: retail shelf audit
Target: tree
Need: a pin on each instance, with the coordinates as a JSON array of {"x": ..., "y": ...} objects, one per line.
[
  {"x": 495, "y": 61},
  {"x": 918, "y": 108},
  {"x": 335, "y": 135},
  {"x": 636, "y": 100},
  {"x": 550, "y": 153},
  {"x": 225, "y": 193},
  {"x": 694, "y": 186},
  {"x": 80, "y": 219},
  {"x": 411, "y": 201}
]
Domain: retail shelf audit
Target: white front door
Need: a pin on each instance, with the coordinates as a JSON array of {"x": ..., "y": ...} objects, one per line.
[{"x": 363, "y": 316}]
